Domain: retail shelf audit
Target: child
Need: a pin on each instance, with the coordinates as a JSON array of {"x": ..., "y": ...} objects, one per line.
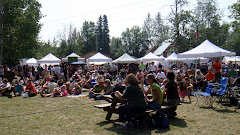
[
  {"x": 77, "y": 89},
  {"x": 64, "y": 90}
]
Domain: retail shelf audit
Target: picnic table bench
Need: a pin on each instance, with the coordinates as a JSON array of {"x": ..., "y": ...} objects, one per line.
[
  {"x": 112, "y": 109},
  {"x": 108, "y": 107}
]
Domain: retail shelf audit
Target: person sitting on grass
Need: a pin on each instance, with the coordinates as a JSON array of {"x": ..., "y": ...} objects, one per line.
[
  {"x": 51, "y": 85},
  {"x": 135, "y": 101},
  {"x": 157, "y": 96},
  {"x": 184, "y": 89},
  {"x": 57, "y": 92},
  {"x": 64, "y": 91},
  {"x": 77, "y": 89},
  {"x": 5, "y": 88},
  {"x": 18, "y": 88},
  {"x": 69, "y": 89},
  {"x": 30, "y": 88},
  {"x": 97, "y": 89},
  {"x": 86, "y": 82}
]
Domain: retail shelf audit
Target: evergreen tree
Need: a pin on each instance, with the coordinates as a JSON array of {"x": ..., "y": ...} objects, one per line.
[
  {"x": 88, "y": 37},
  {"x": 100, "y": 34},
  {"x": 106, "y": 38}
]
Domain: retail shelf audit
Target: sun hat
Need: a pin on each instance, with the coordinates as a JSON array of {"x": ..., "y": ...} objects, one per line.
[{"x": 101, "y": 81}]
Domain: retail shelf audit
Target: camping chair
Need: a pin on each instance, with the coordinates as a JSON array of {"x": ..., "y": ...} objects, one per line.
[
  {"x": 93, "y": 82},
  {"x": 205, "y": 97},
  {"x": 221, "y": 92}
]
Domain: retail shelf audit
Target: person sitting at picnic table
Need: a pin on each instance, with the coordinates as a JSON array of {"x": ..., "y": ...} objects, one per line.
[
  {"x": 18, "y": 88},
  {"x": 171, "y": 92},
  {"x": 97, "y": 89},
  {"x": 108, "y": 87},
  {"x": 184, "y": 89},
  {"x": 30, "y": 88},
  {"x": 157, "y": 96},
  {"x": 135, "y": 101},
  {"x": 5, "y": 87}
]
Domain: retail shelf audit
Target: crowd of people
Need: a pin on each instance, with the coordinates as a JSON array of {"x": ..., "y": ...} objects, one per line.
[{"x": 132, "y": 83}]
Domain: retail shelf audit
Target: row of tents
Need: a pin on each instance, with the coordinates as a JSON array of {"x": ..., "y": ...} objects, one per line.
[{"x": 202, "y": 52}]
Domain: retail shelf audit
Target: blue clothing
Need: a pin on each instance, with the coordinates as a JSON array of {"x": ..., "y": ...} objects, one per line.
[{"x": 19, "y": 88}]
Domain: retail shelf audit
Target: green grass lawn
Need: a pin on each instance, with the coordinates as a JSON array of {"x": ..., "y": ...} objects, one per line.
[{"x": 64, "y": 115}]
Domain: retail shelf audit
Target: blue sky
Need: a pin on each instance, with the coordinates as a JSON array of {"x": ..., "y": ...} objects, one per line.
[{"x": 122, "y": 14}]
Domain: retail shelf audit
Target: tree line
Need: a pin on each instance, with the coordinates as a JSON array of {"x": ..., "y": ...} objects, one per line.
[{"x": 20, "y": 26}]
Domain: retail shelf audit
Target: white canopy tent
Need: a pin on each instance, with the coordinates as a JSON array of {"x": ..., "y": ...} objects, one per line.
[
  {"x": 174, "y": 57},
  {"x": 206, "y": 49},
  {"x": 73, "y": 55},
  {"x": 99, "y": 59},
  {"x": 234, "y": 59},
  {"x": 49, "y": 59},
  {"x": 150, "y": 57},
  {"x": 32, "y": 62},
  {"x": 126, "y": 58}
]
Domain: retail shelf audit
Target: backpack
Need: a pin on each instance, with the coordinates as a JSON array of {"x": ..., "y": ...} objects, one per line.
[{"x": 161, "y": 120}]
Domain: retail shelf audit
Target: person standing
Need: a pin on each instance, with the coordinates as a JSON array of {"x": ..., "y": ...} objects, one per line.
[{"x": 217, "y": 68}]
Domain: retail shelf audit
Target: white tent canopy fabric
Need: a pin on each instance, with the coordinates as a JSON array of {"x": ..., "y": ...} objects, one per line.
[
  {"x": 99, "y": 58},
  {"x": 49, "y": 59},
  {"x": 151, "y": 57},
  {"x": 32, "y": 62},
  {"x": 126, "y": 58},
  {"x": 206, "y": 49},
  {"x": 174, "y": 57},
  {"x": 234, "y": 59},
  {"x": 73, "y": 55}
]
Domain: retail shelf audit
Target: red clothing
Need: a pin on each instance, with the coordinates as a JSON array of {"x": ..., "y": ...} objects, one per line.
[
  {"x": 210, "y": 76},
  {"x": 217, "y": 66},
  {"x": 31, "y": 87}
]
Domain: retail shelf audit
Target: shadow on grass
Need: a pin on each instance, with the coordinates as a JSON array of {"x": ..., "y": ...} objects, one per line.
[
  {"x": 186, "y": 103},
  {"x": 142, "y": 130},
  {"x": 220, "y": 110},
  {"x": 178, "y": 122},
  {"x": 226, "y": 111}
]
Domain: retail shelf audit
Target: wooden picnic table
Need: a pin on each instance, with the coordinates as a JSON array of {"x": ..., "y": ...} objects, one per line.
[{"x": 113, "y": 106}]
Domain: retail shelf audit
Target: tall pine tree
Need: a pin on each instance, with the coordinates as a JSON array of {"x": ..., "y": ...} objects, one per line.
[{"x": 106, "y": 38}]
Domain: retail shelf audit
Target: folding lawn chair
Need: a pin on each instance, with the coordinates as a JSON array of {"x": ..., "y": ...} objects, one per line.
[
  {"x": 221, "y": 93},
  {"x": 204, "y": 97}
]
